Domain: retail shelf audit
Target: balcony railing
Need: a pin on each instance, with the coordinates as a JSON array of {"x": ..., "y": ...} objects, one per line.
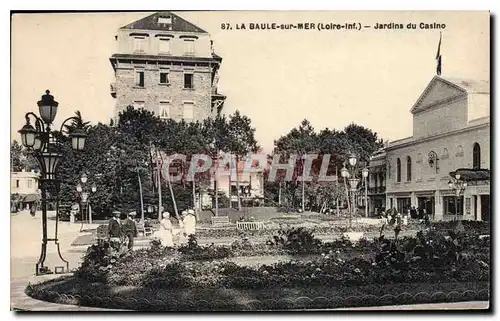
[{"x": 112, "y": 89}]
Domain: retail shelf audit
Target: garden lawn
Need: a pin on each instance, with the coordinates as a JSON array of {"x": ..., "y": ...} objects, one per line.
[{"x": 182, "y": 299}]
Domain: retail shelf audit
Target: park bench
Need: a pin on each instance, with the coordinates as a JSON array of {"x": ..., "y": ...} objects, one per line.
[
  {"x": 249, "y": 226},
  {"x": 220, "y": 220}
]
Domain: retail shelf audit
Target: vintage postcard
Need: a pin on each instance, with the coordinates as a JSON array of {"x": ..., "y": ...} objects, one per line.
[{"x": 250, "y": 161}]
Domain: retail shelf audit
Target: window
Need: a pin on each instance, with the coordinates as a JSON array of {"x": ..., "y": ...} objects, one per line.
[
  {"x": 189, "y": 46},
  {"x": 445, "y": 154},
  {"x": 408, "y": 168},
  {"x": 188, "y": 111},
  {"x": 139, "y": 78},
  {"x": 139, "y": 44},
  {"x": 476, "y": 156},
  {"x": 139, "y": 104},
  {"x": 460, "y": 151},
  {"x": 453, "y": 205},
  {"x": 164, "y": 46},
  {"x": 398, "y": 170},
  {"x": 164, "y": 110},
  {"x": 17, "y": 183},
  {"x": 164, "y": 77},
  {"x": 188, "y": 81},
  {"x": 165, "y": 19}
]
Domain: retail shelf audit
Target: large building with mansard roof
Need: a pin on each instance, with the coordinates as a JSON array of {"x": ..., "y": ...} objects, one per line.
[
  {"x": 167, "y": 65},
  {"x": 451, "y": 133}
]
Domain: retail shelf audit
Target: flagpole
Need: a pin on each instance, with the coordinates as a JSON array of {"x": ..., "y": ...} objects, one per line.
[{"x": 438, "y": 56}]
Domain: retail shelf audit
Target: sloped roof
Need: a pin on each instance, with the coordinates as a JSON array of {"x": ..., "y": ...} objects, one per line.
[
  {"x": 445, "y": 88},
  {"x": 151, "y": 23},
  {"x": 471, "y": 86}
]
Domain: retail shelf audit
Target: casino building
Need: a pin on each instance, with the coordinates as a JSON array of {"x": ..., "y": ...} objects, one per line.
[{"x": 451, "y": 134}]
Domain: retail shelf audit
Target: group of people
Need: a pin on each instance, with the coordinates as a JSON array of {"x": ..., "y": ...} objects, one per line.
[
  {"x": 124, "y": 231},
  {"x": 120, "y": 231},
  {"x": 187, "y": 226}
]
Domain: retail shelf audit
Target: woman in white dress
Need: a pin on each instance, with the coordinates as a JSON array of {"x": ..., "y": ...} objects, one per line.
[
  {"x": 190, "y": 223},
  {"x": 165, "y": 234},
  {"x": 179, "y": 233}
]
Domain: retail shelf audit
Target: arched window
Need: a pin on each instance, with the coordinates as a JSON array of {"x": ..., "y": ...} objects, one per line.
[
  {"x": 445, "y": 154},
  {"x": 476, "y": 156},
  {"x": 408, "y": 168},
  {"x": 398, "y": 170}
]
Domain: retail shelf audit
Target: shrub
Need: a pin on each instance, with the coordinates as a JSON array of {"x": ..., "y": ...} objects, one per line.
[{"x": 296, "y": 240}]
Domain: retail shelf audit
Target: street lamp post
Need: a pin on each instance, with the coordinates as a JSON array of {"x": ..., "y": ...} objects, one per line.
[
  {"x": 84, "y": 198},
  {"x": 458, "y": 184},
  {"x": 45, "y": 147},
  {"x": 365, "y": 178},
  {"x": 350, "y": 175}
]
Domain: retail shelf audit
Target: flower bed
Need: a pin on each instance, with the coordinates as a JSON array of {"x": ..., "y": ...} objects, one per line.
[{"x": 460, "y": 261}]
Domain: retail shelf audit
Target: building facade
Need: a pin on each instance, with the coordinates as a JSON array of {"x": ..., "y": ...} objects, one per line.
[
  {"x": 25, "y": 186},
  {"x": 377, "y": 183},
  {"x": 451, "y": 132},
  {"x": 166, "y": 65}
]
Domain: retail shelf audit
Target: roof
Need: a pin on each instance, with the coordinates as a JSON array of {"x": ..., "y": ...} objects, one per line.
[
  {"x": 470, "y": 174},
  {"x": 151, "y": 23},
  {"x": 441, "y": 89},
  {"x": 28, "y": 198},
  {"x": 471, "y": 86}
]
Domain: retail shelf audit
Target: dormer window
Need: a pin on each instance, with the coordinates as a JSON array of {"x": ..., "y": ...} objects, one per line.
[{"x": 165, "y": 19}]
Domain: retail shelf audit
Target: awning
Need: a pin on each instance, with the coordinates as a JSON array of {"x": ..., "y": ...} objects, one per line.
[
  {"x": 472, "y": 175},
  {"x": 30, "y": 198}
]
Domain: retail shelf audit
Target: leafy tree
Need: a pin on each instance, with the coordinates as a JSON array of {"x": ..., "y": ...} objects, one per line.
[
  {"x": 299, "y": 141},
  {"x": 16, "y": 154},
  {"x": 77, "y": 122},
  {"x": 239, "y": 140}
]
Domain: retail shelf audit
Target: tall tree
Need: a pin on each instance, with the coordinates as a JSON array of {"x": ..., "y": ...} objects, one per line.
[
  {"x": 240, "y": 141},
  {"x": 299, "y": 141}
]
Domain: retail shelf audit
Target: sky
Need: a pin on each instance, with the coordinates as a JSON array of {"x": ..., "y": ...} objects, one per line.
[{"x": 276, "y": 77}]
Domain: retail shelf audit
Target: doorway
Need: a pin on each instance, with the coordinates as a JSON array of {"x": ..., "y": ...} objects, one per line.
[
  {"x": 485, "y": 208},
  {"x": 426, "y": 203}
]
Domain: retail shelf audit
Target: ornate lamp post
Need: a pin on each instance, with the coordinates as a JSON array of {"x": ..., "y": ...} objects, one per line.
[
  {"x": 364, "y": 173},
  {"x": 40, "y": 140},
  {"x": 458, "y": 184},
  {"x": 84, "y": 198},
  {"x": 353, "y": 183}
]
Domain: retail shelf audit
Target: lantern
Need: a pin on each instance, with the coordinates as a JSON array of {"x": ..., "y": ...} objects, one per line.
[
  {"x": 48, "y": 107},
  {"x": 28, "y": 134}
]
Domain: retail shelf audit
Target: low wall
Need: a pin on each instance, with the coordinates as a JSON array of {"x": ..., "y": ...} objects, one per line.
[{"x": 259, "y": 213}]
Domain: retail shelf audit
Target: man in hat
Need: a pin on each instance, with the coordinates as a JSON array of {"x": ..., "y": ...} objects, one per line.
[
  {"x": 130, "y": 229},
  {"x": 115, "y": 230}
]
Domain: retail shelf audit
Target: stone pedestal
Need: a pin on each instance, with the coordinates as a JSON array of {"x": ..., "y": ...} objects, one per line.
[{"x": 438, "y": 206}]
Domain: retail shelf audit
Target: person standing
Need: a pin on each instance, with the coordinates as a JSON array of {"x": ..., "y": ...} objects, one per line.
[
  {"x": 182, "y": 230},
  {"x": 190, "y": 223},
  {"x": 130, "y": 229},
  {"x": 33, "y": 210},
  {"x": 115, "y": 230},
  {"x": 165, "y": 232}
]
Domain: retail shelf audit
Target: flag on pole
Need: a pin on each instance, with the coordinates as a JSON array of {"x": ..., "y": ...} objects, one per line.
[{"x": 438, "y": 56}]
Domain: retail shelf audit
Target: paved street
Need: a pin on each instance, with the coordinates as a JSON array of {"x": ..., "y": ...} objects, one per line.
[{"x": 26, "y": 235}]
